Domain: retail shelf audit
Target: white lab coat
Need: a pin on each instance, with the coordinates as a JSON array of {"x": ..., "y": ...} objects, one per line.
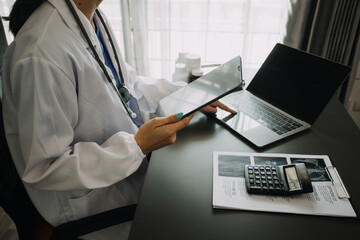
[{"x": 75, "y": 152}]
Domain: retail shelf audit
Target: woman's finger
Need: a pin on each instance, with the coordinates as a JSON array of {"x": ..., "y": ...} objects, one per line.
[{"x": 223, "y": 107}]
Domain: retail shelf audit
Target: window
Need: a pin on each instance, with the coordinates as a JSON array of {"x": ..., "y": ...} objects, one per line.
[
  {"x": 218, "y": 30},
  {"x": 5, "y": 7},
  {"x": 112, "y": 10}
]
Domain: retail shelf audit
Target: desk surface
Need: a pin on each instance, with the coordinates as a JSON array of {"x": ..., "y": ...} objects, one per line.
[{"x": 176, "y": 200}]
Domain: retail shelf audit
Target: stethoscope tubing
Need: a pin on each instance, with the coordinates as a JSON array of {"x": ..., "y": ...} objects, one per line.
[{"x": 97, "y": 58}]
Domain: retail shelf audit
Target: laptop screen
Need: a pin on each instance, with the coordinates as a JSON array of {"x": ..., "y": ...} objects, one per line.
[{"x": 297, "y": 82}]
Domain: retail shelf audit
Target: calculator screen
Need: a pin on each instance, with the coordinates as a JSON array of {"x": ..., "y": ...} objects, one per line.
[{"x": 292, "y": 178}]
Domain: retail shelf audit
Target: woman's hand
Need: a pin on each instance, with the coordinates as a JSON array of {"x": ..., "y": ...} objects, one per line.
[
  {"x": 212, "y": 108},
  {"x": 160, "y": 132}
]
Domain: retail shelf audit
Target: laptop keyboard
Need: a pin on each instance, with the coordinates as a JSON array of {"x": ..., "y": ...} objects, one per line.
[{"x": 265, "y": 115}]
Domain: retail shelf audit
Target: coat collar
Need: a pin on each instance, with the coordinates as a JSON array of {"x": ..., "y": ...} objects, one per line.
[{"x": 64, "y": 11}]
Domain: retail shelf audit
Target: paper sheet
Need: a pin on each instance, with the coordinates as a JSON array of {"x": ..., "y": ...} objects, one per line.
[{"x": 229, "y": 190}]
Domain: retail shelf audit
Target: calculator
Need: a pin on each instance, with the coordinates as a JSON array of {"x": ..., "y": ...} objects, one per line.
[{"x": 277, "y": 180}]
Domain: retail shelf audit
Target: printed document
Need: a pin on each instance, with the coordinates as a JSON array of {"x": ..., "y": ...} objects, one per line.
[{"x": 329, "y": 197}]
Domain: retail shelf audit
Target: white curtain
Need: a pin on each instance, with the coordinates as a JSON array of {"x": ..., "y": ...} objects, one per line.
[
  {"x": 153, "y": 32},
  {"x": 5, "y": 7},
  {"x": 128, "y": 20},
  {"x": 135, "y": 34},
  {"x": 217, "y": 30}
]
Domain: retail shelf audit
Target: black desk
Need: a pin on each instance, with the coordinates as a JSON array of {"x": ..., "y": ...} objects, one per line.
[{"x": 176, "y": 200}]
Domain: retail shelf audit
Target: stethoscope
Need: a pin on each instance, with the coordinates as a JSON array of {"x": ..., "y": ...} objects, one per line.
[{"x": 123, "y": 93}]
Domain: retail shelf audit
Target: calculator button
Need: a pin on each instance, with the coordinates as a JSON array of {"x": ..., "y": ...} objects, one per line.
[
  {"x": 269, "y": 177},
  {"x": 264, "y": 187},
  {"x": 255, "y": 187},
  {"x": 268, "y": 173},
  {"x": 251, "y": 181},
  {"x": 262, "y": 173},
  {"x": 267, "y": 168},
  {"x": 264, "y": 182},
  {"x": 257, "y": 177},
  {"x": 275, "y": 177},
  {"x": 276, "y": 181},
  {"x": 273, "y": 168},
  {"x": 262, "y": 167},
  {"x": 271, "y": 188},
  {"x": 274, "y": 173},
  {"x": 270, "y": 182},
  {"x": 250, "y": 167},
  {"x": 277, "y": 187},
  {"x": 250, "y": 171},
  {"x": 256, "y": 167},
  {"x": 263, "y": 177},
  {"x": 257, "y": 181},
  {"x": 282, "y": 182}
]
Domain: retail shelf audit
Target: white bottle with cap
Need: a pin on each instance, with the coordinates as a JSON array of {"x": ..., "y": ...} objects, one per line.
[
  {"x": 182, "y": 57},
  {"x": 180, "y": 74}
]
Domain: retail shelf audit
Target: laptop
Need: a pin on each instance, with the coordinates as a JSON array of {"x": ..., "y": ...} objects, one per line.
[
  {"x": 285, "y": 97},
  {"x": 209, "y": 88}
]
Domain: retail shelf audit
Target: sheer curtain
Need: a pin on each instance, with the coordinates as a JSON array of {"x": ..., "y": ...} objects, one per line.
[
  {"x": 153, "y": 32},
  {"x": 5, "y": 7},
  {"x": 217, "y": 30},
  {"x": 128, "y": 20}
]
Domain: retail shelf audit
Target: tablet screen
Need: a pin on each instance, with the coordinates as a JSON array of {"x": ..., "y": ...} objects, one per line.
[{"x": 203, "y": 91}]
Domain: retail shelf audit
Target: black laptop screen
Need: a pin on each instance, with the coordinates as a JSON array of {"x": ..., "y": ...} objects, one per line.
[{"x": 297, "y": 82}]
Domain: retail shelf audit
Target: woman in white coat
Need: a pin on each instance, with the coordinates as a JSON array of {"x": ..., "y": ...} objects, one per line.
[{"x": 74, "y": 141}]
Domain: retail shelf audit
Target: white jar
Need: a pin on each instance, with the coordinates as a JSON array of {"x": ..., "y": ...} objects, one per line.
[
  {"x": 193, "y": 61},
  {"x": 180, "y": 74}
]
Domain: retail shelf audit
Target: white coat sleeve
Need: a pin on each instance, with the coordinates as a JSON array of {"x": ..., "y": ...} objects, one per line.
[
  {"x": 149, "y": 91},
  {"x": 46, "y": 118}
]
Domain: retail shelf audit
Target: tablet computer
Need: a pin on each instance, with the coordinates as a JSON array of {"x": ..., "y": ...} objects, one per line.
[{"x": 212, "y": 86}]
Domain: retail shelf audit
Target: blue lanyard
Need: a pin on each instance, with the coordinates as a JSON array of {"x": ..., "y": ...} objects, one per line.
[
  {"x": 108, "y": 62},
  {"x": 106, "y": 54}
]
